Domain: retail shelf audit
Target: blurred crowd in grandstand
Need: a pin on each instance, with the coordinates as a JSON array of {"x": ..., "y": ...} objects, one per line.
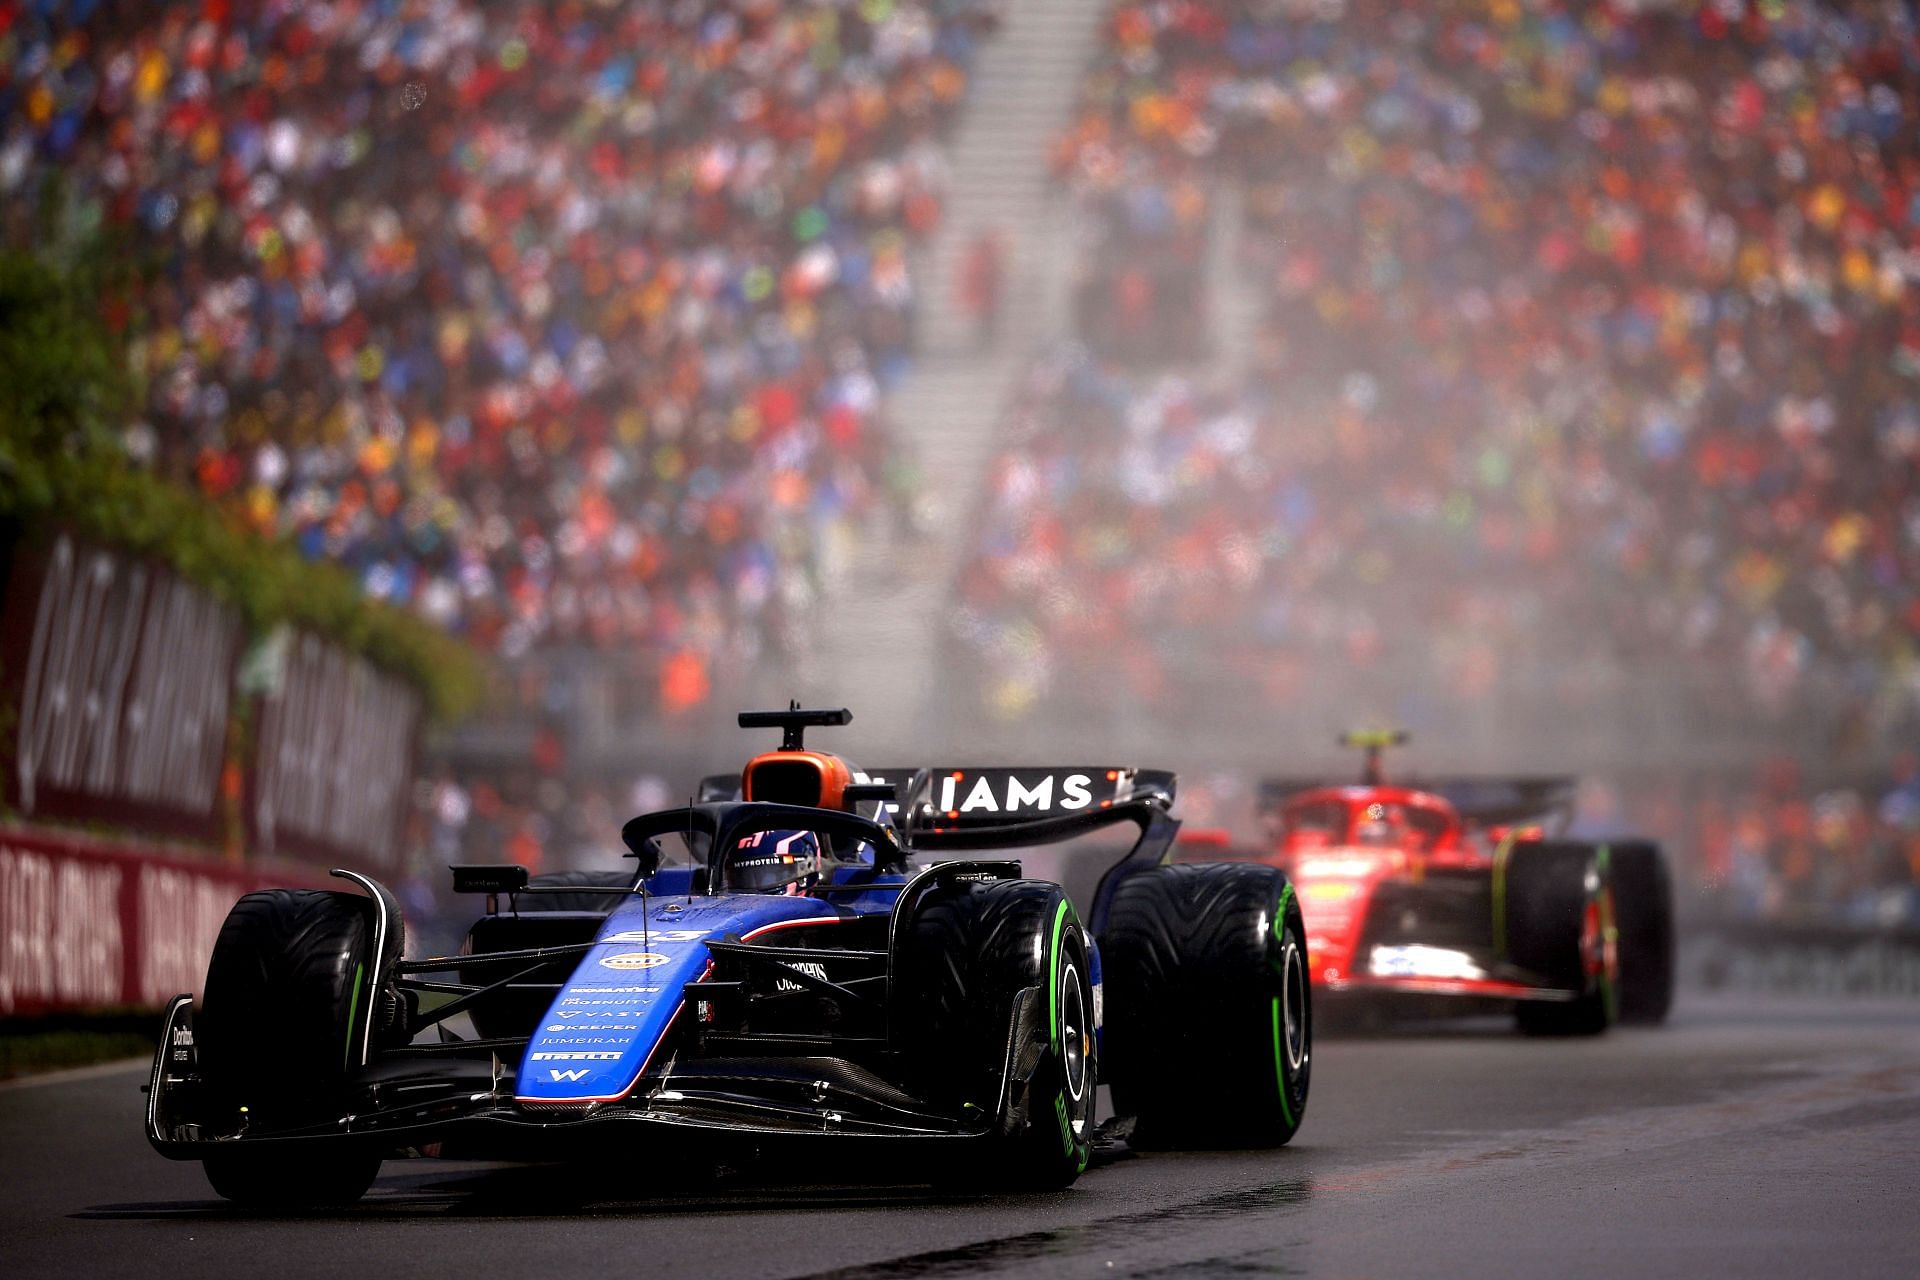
[
  {"x": 560, "y": 323},
  {"x": 1583, "y": 337},
  {"x": 1781, "y": 847},
  {"x": 1587, "y": 340},
  {"x": 1585, "y": 332}
]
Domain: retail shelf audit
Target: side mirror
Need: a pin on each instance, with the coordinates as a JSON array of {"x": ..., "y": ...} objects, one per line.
[
  {"x": 488, "y": 878},
  {"x": 642, "y": 848},
  {"x": 866, "y": 792}
]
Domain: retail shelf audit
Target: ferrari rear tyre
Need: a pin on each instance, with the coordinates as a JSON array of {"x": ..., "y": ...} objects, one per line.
[
  {"x": 290, "y": 992},
  {"x": 1209, "y": 1022},
  {"x": 1643, "y": 908},
  {"x": 969, "y": 955},
  {"x": 1559, "y": 926}
]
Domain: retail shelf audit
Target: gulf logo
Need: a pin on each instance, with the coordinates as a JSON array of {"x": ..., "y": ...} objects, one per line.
[{"x": 634, "y": 960}]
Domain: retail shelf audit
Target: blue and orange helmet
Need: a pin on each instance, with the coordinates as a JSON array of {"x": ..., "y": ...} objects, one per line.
[{"x": 786, "y": 862}]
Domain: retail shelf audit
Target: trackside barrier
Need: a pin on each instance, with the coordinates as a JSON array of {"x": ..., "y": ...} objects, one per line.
[
  {"x": 88, "y": 924},
  {"x": 1801, "y": 959}
]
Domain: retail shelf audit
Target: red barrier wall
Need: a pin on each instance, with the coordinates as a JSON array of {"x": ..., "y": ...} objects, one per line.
[{"x": 90, "y": 923}]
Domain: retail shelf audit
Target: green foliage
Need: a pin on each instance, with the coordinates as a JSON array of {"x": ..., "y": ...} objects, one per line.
[
  {"x": 60, "y": 465},
  {"x": 63, "y": 377},
  {"x": 50, "y": 1042}
]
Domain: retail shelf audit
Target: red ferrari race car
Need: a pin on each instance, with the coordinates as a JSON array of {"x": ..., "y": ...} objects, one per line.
[{"x": 1459, "y": 892}]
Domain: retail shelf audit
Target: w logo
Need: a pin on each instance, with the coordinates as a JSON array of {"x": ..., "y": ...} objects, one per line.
[{"x": 578, "y": 1073}]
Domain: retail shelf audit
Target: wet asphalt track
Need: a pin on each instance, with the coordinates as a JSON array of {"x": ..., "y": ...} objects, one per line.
[{"x": 1751, "y": 1138}]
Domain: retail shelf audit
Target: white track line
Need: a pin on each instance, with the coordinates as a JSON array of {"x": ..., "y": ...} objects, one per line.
[{"x": 73, "y": 1074}]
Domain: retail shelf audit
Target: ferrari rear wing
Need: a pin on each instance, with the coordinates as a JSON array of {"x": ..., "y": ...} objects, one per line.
[
  {"x": 1487, "y": 802},
  {"x": 1503, "y": 802}
]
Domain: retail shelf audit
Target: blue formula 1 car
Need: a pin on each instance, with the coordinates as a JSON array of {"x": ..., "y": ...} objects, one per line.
[{"x": 809, "y": 955}]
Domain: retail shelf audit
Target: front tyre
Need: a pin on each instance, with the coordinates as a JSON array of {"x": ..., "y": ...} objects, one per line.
[
  {"x": 975, "y": 957},
  {"x": 324, "y": 1179},
  {"x": 293, "y": 1001},
  {"x": 1209, "y": 1022}
]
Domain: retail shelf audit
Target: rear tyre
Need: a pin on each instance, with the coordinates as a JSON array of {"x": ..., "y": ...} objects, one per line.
[
  {"x": 1560, "y": 927},
  {"x": 1643, "y": 907},
  {"x": 290, "y": 992},
  {"x": 1209, "y": 1026},
  {"x": 968, "y": 955}
]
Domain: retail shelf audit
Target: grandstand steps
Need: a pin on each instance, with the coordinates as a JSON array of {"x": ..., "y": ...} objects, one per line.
[
  {"x": 1023, "y": 88},
  {"x": 1233, "y": 297},
  {"x": 878, "y": 638},
  {"x": 877, "y": 645}
]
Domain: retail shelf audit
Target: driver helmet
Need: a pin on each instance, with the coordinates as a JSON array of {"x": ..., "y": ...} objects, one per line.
[
  {"x": 1379, "y": 824},
  {"x": 784, "y": 862}
]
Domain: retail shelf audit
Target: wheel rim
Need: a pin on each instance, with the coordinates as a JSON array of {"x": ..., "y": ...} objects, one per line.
[
  {"x": 1293, "y": 1002},
  {"x": 1074, "y": 1032}
]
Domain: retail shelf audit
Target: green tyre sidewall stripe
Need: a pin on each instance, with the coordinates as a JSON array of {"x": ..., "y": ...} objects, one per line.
[
  {"x": 1279, "y": 1052},
  {"x": 353, "y": 1011},
  {"x": 1280, "y": 1066},
  {"x": 1501, "y": 853},
  {"x": 1069, "y": 1144},
  {"x": 1053, "y": 973},
  {"x": 1609, "y": 933}
]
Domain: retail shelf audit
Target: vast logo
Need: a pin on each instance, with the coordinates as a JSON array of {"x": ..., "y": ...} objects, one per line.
[{"x": 634, "y": 960}]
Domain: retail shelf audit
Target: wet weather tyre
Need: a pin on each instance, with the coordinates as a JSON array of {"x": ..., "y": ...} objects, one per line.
[
  {"x": 289, "y": 992},
  {"x": 1559, "y": 926},
  {"x": 1208, "y": 1037},
  {"x": 972, "y": 957},
  {"x": 1643, "y": 910},
  {"x": 283, "y": 1180}
]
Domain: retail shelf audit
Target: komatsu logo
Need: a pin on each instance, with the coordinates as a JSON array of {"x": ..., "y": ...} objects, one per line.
[{"x": 1008, "y": 792}]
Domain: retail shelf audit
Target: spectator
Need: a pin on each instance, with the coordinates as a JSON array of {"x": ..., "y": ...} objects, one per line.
[
  {"x": 566, "y": 326},
  {"x": 1588, "y": 342},
  {"x": 982, "y": 272}
]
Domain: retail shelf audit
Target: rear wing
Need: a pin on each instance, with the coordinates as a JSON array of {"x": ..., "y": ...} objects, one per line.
[
  {"x": 1505, "y": 802},
  {"x": 956, "y": 809},
  {"x": 1485, "y": 802},
  {"x": 951, "y": 798}
]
